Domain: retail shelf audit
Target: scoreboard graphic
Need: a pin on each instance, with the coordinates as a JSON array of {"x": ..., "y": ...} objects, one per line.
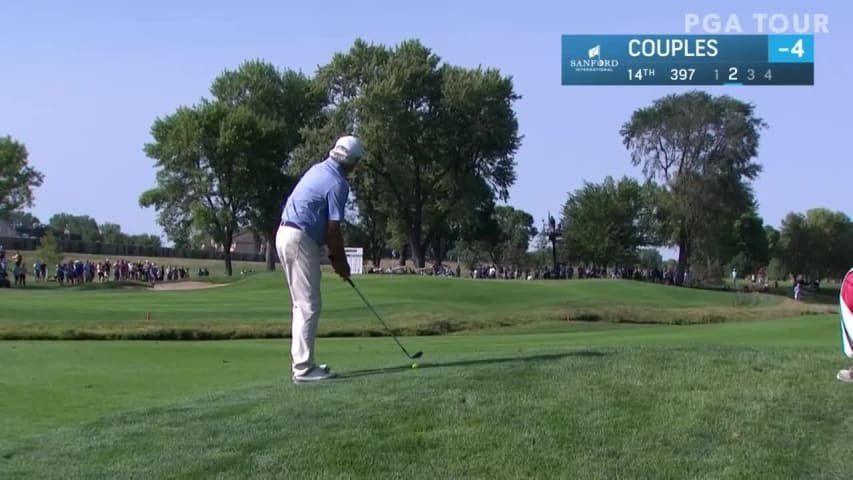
[{"x": 688, "y": 60}]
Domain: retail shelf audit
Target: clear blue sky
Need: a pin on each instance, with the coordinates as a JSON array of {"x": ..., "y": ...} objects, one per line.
[{"x": 83, "y": 81}]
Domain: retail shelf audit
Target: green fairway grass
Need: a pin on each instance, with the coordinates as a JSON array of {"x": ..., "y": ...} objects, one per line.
[
  {"x": 751, "y": 400},
  {"x": 257, "y": 306}
]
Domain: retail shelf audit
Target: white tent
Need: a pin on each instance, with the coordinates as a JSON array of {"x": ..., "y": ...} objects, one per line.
[{"x": 355, "y": 258}]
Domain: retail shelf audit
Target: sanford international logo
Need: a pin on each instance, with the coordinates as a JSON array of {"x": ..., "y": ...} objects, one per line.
[{"x": 593, "y": 62}]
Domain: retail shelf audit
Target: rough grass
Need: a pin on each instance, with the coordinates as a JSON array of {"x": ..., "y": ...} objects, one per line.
[
  {"x": 751, "y": 400},
  {"x": 258, "y": 305}
]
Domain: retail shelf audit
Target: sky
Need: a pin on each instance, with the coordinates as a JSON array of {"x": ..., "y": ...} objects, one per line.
[{"x": 83, "y": 82}]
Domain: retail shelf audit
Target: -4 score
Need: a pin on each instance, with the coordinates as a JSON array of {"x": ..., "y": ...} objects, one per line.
[{"x": 733, "y": 74}]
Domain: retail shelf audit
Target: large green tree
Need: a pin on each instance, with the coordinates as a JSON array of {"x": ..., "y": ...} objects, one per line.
[
  {"x": 288, "y": 101},
  {"x": 207, "y": 156},
  {"x": 603, "y": 223},
  {"x": 17, "y": 177},
  {"x": 224, "y": 164},
  {"x": 433, "y": 132},
  {"x": 701, "y": 149}
]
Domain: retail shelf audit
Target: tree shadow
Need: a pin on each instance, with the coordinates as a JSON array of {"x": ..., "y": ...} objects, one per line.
[{"x": 479, "y": 361}]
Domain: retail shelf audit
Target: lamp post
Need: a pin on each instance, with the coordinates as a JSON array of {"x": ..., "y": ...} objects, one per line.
[{"x": 554, "y": 232}]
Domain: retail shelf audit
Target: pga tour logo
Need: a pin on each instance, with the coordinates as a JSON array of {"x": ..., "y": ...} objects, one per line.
[{"x": 593, "y": 62}]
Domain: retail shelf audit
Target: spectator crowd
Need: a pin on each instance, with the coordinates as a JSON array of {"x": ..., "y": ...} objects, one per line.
[
  {"x": 565, "y": 272},
  {"x": 78, "y": 272}
]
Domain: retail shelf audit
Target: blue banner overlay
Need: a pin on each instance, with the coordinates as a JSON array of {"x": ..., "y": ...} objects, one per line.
[{"x": 688, "y": 60}]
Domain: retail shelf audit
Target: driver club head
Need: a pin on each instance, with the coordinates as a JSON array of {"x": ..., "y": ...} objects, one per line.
[{"x": 417, "y": 354}]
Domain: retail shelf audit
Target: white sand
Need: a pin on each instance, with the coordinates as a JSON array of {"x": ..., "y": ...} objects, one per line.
[{"x": 188, "y": 285}]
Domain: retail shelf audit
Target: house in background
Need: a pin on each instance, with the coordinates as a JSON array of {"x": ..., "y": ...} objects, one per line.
[
  {"x": 7, "y": 230},
  {"x": 247, "y": 242}
]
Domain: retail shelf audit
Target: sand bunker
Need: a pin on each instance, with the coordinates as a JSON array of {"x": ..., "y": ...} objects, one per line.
[{"x": 168, "y": 286}]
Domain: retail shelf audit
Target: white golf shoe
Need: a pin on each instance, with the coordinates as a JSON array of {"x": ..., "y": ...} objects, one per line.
[
  {"x": 845, "y": 375},
  {"x": 316, "y": 374}
]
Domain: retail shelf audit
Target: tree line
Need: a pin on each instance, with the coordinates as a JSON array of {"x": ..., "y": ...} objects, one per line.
[
  {"x": 612, "y": 224},
  {"x": 440, "y": 159},
  {"x": 66, "y": 226}
]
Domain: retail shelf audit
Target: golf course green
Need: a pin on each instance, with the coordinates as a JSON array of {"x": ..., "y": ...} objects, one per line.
[
  {"x": 643, "y": 381},
  {"x": 257, "y": 306}
]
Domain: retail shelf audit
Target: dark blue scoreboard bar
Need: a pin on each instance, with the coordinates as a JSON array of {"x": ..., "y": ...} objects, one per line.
[{"x": 688, "y": 60}]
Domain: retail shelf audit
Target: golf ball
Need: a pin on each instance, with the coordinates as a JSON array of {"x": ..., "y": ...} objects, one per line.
[{"x": 414, "y": 365}]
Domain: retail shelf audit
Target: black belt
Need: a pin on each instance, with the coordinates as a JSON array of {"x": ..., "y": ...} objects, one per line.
[{"x": 292, "y": 225}]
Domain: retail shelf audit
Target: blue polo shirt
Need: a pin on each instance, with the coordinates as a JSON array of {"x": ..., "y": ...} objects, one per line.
[{"x": 319, "y": 197}]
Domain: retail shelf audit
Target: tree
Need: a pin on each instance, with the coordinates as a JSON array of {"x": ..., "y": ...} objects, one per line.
[
  {"x": 288, "y": 102},
  {"x": 49, "y": 250},
  {"x": 17, "y": 177},
  {"x": 750, "y": 248},
  {"x": 601, "y": 222},
  {"x": 207, "y": 158},
  {"x": 833, "y": 242},
  {"x": 144, "y": 240},
  {"x": 367, "y": 229},
  {"x": 701, "y": 148},
  {"x": 500, "y": 235},
  {"x": 82, "y": 225},
  {"x": 541, "y": 245},
  {"x": 433, "y": 134},
  {"x": 477, "y": 238},
  {"x": 475, "y": 220},
  {"x": 516, "y": 229},
  {"x": 772, "y": 240},
  {"x": 174, "y": 212},
  {"x": 649, "y": 258},
  {"x": 23, "y": 219},
  {"x": 111, "y": 234},
  {"x": 796, "y": 244},
  {"x": 818, "y": 244}
]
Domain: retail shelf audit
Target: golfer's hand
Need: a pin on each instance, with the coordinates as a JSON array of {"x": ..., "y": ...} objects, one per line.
[{"x": 341, "y": 267}]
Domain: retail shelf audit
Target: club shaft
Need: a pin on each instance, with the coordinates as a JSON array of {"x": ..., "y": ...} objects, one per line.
[{"x": 375, "y": 313}]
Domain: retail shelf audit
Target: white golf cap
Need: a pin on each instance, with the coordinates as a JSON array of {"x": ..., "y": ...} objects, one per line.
[{"x": 347, "y": 150}]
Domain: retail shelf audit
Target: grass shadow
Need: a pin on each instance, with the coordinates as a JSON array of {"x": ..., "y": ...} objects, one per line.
[{"x": 480, "y": 361}]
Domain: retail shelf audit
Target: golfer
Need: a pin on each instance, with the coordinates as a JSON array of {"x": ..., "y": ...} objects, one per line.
[{"x": 310, "y": 220}]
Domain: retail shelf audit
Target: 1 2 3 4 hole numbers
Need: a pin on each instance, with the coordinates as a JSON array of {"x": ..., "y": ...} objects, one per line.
[{"x": 732, "y": 75}]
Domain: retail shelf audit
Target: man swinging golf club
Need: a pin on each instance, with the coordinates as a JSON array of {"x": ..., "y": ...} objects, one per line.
[{"x": 310, "y": 220}]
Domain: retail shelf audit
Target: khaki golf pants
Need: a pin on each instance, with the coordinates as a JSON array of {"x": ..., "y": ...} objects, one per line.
[{"x": 300, "y": 258}]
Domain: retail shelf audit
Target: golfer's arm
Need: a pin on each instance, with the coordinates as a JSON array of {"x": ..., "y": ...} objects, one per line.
[{"x": 336, "y": 240}]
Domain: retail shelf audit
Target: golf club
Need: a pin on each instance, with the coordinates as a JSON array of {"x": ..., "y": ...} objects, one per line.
[{"x": 416, "y": 355}]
